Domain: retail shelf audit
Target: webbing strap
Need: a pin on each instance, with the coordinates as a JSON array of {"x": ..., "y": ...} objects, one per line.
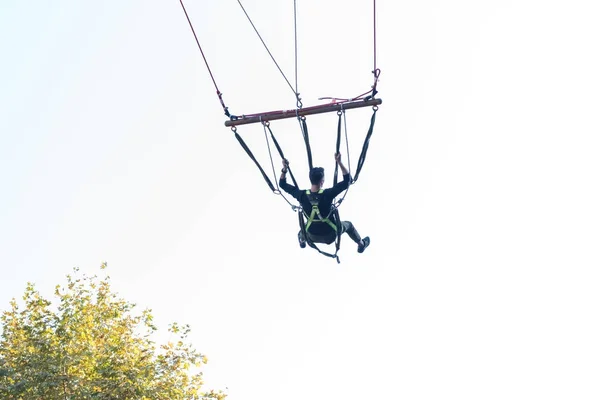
[
  {"x": 314, "y": 201},
  {"x": 363, "y": 153},
  {"x": 262, "y": 171},
  {"x": 313, "y": 245},
  {"x": 337, "y": 146},
  {"x": 311, "y": 219},
  {"x": 281, "y": 154},
  {"x": 306, "y": 140},
  {"x": 338, "y": 223},
  {"x": 341, "y": 113}
]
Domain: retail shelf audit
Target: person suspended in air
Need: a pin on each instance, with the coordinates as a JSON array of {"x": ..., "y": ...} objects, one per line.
[{"x": 317, "y": 204}]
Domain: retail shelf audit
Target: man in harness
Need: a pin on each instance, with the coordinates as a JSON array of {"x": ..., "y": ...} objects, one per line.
[{"x": 317, "y": 204}]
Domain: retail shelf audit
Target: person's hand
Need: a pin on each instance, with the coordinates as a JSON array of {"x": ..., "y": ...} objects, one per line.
[{"x": 338, "y": 160}]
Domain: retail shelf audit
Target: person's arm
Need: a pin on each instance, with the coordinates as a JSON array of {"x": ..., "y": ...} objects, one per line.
[
  {"x": 343, "y": 185},
  {"x": 284, "y": 170},
  {"x": 338, "y": 160},
  {"x": 291, "y": 190}
]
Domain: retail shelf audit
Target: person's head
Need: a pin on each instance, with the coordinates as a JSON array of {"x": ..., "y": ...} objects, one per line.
[{"x": 317, "y": 176}]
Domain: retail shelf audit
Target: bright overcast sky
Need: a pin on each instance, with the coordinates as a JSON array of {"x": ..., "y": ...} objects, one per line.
[{"x": 480, "y": 191}]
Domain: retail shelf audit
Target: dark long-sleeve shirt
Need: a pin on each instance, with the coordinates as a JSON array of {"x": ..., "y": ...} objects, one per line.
[{"x": 325, "y": 202}]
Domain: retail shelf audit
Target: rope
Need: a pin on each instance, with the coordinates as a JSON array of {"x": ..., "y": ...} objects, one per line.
[
  {"x": 298, "y": 100},
  {"x": 341, "y": 113},
  {"x": 278, "y": 191},
  {"x": 376, "y": 70},
  {"x": 337, "y": 147},
  {"x": 337, "y": 150},
  {"x": 346, "y": 136},
  {"x": 339, "y": 202},
  {"x": 280, "y": 151},
  {"x": 374, "y": 36},
  {"x": 268, "y": 51},
  {"x": 270, "y": 155},
  {"x": 219, "y": 94}
]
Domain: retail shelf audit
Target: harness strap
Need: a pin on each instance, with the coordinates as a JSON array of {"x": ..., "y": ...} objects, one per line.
[
  {"x": 363, "y": 153},
  {"x": 262, "y": 171},
  {"x": 313, "y": 245},
  {"x": 316, "y": 212},
  {"x": 280, "y": 153},
  {"x": 304, "y": 129},
  {"x": 341, "y": 113},
  {"x": 338, "y": 223},
  {"x": 337, "y": 146}
]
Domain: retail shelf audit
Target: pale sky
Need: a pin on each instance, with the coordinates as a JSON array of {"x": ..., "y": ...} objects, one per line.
[{"x": 480, "y": 191}]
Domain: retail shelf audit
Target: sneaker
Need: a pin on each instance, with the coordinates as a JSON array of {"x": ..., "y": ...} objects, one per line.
[
  {"x": 302, "y": 243},
  {"x": 365, "y": 243}
]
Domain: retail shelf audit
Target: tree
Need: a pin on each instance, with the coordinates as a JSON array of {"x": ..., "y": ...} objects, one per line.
[{"x": 93, "y": 345}]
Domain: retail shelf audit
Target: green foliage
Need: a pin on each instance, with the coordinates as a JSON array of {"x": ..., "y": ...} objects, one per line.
[{"x": 92, "y": 345}]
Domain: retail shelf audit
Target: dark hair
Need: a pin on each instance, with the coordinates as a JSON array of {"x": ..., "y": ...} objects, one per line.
[{"x": 316, "y": 175}]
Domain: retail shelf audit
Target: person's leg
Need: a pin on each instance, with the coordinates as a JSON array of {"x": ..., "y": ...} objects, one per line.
[
  {"x": 301, "y": 239},
  {"x": 349, "y": 228}
]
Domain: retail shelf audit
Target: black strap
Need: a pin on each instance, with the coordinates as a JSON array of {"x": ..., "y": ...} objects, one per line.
[
  {"x": 313, "y": 245},
  {"x": 281, "y": 154},
  {"x": 337, "y": 146},
  {"x": 306, "y": 140},
  {"x": 262, "y": 171},
  {"x": 363, "y": 153},
  {"x": 338, "y": 224}
]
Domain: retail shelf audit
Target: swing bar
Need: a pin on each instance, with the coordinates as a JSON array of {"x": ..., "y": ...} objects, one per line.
[{"x": 283, "y": 114}]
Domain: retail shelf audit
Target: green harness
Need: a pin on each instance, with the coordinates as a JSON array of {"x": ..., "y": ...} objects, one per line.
[
  {"x": 316, "y": 217},
  {"x": 314, "y": 199}
]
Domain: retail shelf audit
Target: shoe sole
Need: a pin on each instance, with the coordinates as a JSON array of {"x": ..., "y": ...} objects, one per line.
[{"x": 367, "y": 242}]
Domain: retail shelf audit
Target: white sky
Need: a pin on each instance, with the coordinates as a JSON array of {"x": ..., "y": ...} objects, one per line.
[{"x": 480, "y": 191}]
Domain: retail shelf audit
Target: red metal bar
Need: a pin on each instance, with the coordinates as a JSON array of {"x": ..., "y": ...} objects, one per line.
[{"x": 283, "y": 114}]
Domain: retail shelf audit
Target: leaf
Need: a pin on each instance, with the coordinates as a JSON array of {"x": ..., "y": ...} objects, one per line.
[{"x": 92, "y": 344}]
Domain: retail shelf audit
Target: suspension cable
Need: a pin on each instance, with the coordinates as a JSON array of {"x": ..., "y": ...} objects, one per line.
[
  {"x": 376, "y": 70},
  {"x": 219, "y": 94},
  {"x": 374, "y": 36},
  {"x": 298, "y": 99},
  {"x": 264, "y": 44}
]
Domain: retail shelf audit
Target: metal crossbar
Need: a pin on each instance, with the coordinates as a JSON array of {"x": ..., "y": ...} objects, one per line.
[{"x": 283, "y": 114}]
